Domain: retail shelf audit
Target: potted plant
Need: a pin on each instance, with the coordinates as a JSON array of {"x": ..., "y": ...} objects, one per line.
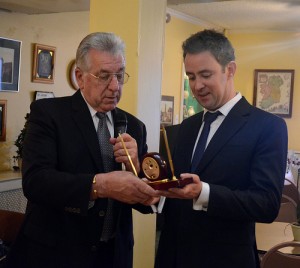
[
  {"x": 296, "y": 225},
  {"x": 19, "y": 143}
]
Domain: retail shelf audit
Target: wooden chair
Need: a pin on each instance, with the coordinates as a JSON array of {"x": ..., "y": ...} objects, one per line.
[
  {"x": 10, "y": 223},
  {"x": 289, "y": 202},
  {"x": 287, "y": 212},
  {"x": 273, "y": 258},
  {"x": 290, "y": 190}
]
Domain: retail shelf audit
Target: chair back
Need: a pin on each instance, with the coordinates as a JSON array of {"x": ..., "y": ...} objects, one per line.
[
  {"x": 10, "y": 223},
  {"x": 289, "y": 201},
  {"x": 273, "y": 258},
  {"x": 290, "y": 190},
  {"x": 287, "y": 212}
]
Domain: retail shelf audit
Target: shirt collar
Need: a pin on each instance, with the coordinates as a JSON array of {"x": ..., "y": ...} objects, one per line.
[
  {"x": 225, "y": 109},
  {"x": 93, "y": 111}
]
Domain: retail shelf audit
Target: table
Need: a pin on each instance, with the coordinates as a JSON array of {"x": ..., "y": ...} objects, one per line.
[{"x": 269, "y": 235}]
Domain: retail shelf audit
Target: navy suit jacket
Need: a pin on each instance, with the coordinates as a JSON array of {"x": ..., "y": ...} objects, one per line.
[
  {"x": 244, "y": 164},
  {"x": 61, "y": 156}
]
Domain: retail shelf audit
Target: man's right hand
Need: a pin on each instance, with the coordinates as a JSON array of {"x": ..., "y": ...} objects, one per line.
[{"x": 125, "y": 187}]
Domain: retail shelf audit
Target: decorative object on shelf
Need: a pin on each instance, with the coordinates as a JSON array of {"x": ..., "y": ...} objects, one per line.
[
  {"x": 19, "y": 142},
  {"x": 43, "y": 64},
  {"x": 43, "y": 95},
  {"x": 72, "y": 77},
  {"x": 3, "y": 104},
  {"x": 273, "y": 91},
  {"x": 166, "y": 110},
  {"x": 10, "y": 55}
]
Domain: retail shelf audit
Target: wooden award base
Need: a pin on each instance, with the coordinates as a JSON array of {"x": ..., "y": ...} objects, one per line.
[{"x": 167, "y": 184}]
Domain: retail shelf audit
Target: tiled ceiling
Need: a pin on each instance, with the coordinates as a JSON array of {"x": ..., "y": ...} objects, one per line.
[{"x": 274, "y": 15}]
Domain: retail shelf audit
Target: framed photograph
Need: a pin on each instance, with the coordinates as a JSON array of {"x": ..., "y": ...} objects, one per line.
[
  {"x": 43, "y": 64},
  {"x": 3, "y": 120},
  {"x": 273, "y": 91},
  {"x": 43, "y": 95},
  {"x": 10, "y": 55},
  {"x": 166, "y": 110}
]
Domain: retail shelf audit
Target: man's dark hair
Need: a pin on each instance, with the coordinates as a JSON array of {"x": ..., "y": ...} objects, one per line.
[{"x": 214, "y": 42}]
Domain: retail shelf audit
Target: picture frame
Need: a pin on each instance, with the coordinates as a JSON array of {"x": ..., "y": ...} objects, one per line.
[
  {"x": 166, "y": 110},
  {"x": 3, "y": 104},
  {"x": 43, "y": 95},
  {"x": 189, "y": 104},
  {"x": 10, "y": 57},
  {"x": 273, "y": 91},
  {"x": 72, "y": 76},
  {"x": 43, "y": 64}
]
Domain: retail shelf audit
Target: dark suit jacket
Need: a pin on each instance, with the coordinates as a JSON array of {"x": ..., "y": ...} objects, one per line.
[
  {"x": 61, "y": 156},
  {"x": 244, "y": 164}
]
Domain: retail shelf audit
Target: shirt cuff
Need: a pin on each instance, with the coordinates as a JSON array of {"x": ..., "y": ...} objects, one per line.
[
  {"x": 202, "y": 202},
  {"x": 159, "y": 207}
]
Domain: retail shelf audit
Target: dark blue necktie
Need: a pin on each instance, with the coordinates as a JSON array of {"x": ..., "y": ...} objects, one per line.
[{"x": 200, "y": 148}]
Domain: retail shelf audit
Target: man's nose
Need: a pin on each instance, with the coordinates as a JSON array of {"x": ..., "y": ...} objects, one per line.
[{"x": 114, "y": 83}]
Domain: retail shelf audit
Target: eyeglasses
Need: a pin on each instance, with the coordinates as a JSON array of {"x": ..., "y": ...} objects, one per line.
[{"x": 105, "y": 78}]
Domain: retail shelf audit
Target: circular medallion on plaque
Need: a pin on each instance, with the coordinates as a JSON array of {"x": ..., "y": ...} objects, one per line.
[{"x": 154, "y": 167}]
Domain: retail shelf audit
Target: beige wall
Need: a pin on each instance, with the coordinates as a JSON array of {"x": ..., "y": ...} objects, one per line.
[
  {"x": 63, "y": 31},
  {"x": 122, "y": 19}
]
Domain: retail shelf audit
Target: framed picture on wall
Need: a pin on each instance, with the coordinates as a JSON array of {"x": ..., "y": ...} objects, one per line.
[
  {"x": 273, "y": 91},
  {"x": 3, "y": 120},
  {"x": 10, "y": 54},
  {"x": 43, "y": 64},
  {"x": 72, "y": 76},
  {"x": 166, "y": 110},
  {"x": 43, "y": 95},
  {"x": 190, "y": 104}
]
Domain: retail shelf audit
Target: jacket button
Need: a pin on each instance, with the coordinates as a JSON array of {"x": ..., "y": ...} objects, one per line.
[{"x": 101, "y": 213}]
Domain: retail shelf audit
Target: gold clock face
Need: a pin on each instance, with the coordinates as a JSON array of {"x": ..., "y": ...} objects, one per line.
[{"x": 151, "y": 168}]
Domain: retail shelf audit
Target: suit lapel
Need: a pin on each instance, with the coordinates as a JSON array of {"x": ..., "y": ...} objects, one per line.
[
  {"x": 187, "y": 136},
  {"x": 84, "y": 122},
  {"x": 234, "y": 121}
]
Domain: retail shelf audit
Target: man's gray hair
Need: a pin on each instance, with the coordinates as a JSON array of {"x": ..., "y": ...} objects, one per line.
[{"x": 101, "y": 41}]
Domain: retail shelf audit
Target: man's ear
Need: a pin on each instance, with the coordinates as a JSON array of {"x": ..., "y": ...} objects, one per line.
[
  {"x": 231, "y": 67},
  {"x": 79, "y": 77}
]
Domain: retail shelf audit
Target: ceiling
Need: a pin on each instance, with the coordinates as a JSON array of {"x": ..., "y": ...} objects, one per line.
[
  {"x": 44, "y": 6},
  {"x": 272, "y": 15}
]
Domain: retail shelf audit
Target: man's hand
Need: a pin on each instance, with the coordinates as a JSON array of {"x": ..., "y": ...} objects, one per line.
[
  {"x": 125, "y": 187},
  {"x": 190, "y": 191},
  {"x": 120, "y": 152}
]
